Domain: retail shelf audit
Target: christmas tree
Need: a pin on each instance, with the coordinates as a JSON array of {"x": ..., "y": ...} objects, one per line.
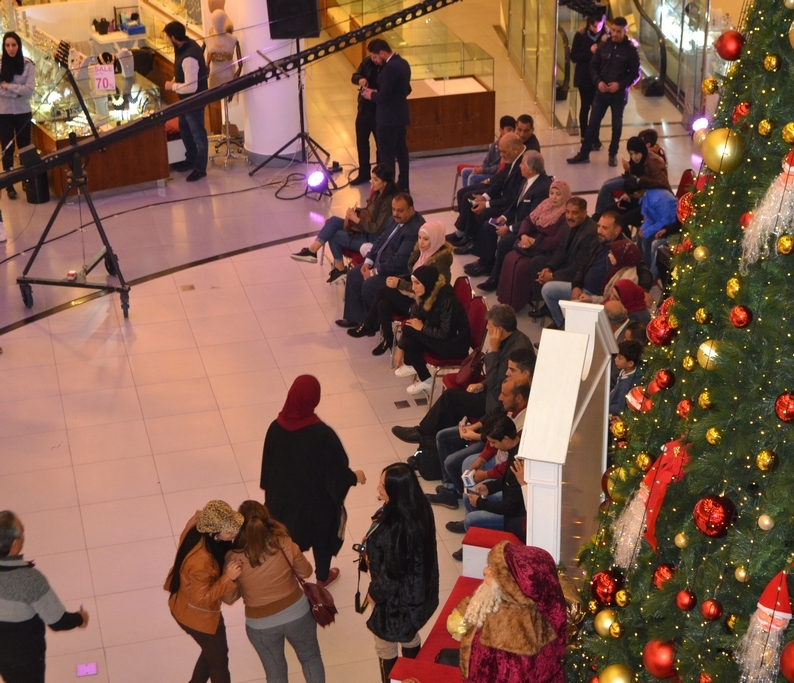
[{"x": 686, "y": 578}]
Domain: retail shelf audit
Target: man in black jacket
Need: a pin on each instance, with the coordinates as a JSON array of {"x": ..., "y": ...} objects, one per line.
[
  {"x": 573, "y": 251},
  {"x": 590, "y": 276},
  {"x": 366, "y": 76},
  {"x": 615, "y": 68},
  {"x": 388, "y": 256},
  {"x": 391, "y": 112},
  {"x": 584, "y": 45}
]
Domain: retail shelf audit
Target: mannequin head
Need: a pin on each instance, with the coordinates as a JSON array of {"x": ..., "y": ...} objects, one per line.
[{"x": 220, "y": 22}]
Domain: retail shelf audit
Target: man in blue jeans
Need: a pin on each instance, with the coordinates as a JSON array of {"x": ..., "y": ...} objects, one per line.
[{"x": 190, "y": 77}]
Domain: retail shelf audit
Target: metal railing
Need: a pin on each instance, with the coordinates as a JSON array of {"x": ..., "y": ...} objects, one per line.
[{"x": 652, "y": 41}]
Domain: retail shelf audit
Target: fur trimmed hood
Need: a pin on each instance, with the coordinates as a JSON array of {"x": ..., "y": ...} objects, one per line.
[{"x": 430, "y": 300}]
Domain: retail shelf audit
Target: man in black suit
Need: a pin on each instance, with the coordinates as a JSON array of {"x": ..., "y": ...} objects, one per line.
[
  {"x": 366, "y": 76},
  {"x": 534, "y": 190},
  {"x": 498, "y": 197},
  {"x": 391, "y": 112},
  {"x": 388, "y": 256}
]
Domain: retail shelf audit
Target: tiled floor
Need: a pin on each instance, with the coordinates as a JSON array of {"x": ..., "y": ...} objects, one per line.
[{"x": 114, "y": 431}]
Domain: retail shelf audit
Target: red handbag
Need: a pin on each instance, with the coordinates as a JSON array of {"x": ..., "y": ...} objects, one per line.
[
  {"x": 322, "y": 602},
  {"x": 471, "y": 369}
]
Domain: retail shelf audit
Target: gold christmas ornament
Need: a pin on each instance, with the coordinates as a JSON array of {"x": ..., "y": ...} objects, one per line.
[
  {"x": 709, "y": 354},
  {"x": 456, "y": 627},
  {"x": 785, "y": 244},
  {"x": 620, "y": 429},
  {"x": 644, "y": 462},
  {"x": 731, "y": 621},
  {"x": 704, "y": 400},
  {"x": 702, "y": 316},
  {"x": 622, "y": 598},
  {"x": 618, "y": 474},
  {"x": 765, "y": 460},
  {"x": 672, "y": 321},
  {"x": 713, "y": 436},
  {"x": 723, "y": 150},
  {"x": 592, "y": 606},
  {"x": 732, "y": 287},
  {"x": 603, "y": 620},
  {"x": 700, "y": 253},
  {"x": 688, "y": 363},
  {"x": 681, "y": 540},
  {"x": 788, "y": 4},
  {"x": 766, "y": 523},
  {"x": 741, "y": 574},
  {"x": 765, "y": 127},
  {"x": 616, "y": 630},
  {"x": 772, "y": 62},
  {"x": 616, "y": 673},
  {"x": 788, "y": 133},
  {"x": 710, "y": 86},
  {"x": 700, "y": 137}
]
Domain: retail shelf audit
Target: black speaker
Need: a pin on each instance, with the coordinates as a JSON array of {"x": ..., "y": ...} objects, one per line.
[{"x": 293, "y": 18}]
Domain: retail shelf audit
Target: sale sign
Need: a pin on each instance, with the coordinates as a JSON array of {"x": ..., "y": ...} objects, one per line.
[{"x": 103, "y": 77}]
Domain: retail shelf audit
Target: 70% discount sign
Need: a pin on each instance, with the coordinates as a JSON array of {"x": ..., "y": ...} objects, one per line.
[{"x": 103, "y": 77}]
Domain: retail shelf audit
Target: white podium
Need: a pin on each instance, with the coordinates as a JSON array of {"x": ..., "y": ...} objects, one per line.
[{"x": 565, "y": 433}]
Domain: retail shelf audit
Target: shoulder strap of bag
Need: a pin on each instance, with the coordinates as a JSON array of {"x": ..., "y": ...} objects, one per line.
[{"x": 292, "y": 569}]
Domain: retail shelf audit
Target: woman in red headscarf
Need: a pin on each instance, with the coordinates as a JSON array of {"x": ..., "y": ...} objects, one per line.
[
  {"x": 306, "y": 476},
  {"x": 624, "y": 257}
]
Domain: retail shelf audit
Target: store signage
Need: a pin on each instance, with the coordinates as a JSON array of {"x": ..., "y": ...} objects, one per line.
[{"x": 103, "y": 77}]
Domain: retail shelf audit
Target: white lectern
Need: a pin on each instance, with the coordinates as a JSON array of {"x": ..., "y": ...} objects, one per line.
[{"x": 565, "y": 433}]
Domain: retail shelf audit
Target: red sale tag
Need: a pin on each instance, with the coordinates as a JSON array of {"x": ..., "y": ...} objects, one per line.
[{"x": 103, "y": 77}]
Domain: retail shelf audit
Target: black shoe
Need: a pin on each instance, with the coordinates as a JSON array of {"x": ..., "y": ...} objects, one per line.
[
  {"x": 456, "y": 527},
  {"x": 458, "y": 555},
  {"x": 597, "y": 145},
  {"x": 381, "y": 348},
  {"x": 580, "y": 158},
  {"x": 195, "y": 175},
  {"x": 344, "y": 322},
  {"x": 479, "y": 270},
  {"x": 447, "y": 498},
  {"x": 411, "y": 462},
  {"x": 335, "y": 274},
  {"x": 407, "y": 434},
  {"x": 360, "y": 180},
  {"x": 181, "y": 166},
  {"x": 541, "y": 312},
  {"x": 471, "y": 268},
  {"x": 613, "y": 160},
  {"x": 464, "y": 248},
  {"x": 440, "y": 488},
  {"x": 306, "y": 255},
  {"x": 362, "y": 331},
  {"x": 454, "y": 239},
  {"x": 12, "y": 193},
  {"x": 489, "y": 285}
]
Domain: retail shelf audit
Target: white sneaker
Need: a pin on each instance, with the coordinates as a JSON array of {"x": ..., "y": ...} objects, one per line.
[
  {"x": 405, "y": 371},
  {"x": 421, "y": 387}
]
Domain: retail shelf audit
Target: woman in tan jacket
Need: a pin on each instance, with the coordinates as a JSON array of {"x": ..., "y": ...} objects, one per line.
[
  {"x": 196, "y": 585},
  {"x": 275, "y": 606}
]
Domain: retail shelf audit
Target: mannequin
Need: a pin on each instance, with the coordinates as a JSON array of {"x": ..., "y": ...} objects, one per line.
[
  {"x": 222, "y": 49},
  {"x": 221, "y": 4}
]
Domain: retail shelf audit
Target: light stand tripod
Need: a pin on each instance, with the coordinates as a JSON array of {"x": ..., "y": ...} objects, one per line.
[
  {"x": 226, "y": 138},
  {"x": 310, "y": 148}
]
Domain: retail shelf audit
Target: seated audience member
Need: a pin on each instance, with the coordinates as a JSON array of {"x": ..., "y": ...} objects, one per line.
[
  {"x": 632, "y": 296},
  {"x": 540, "y": 235},
  {"x": 626, "y": 361},
  {"x": 525, "y": 129},
  {"x": 658, "y": 207},
  {"x": 636, "y": 331},
  {"x": 358, "y": 226},
  {"x": 493, "y": 160},
  {"x": 617, "y": 317},
  {"x": 571, "y": 254},
  {"x": 453, "y": 453},
  {"x": 438, "y": 324},
  {"x": 504, "y": 337},
  {"x": 651, "y": 139},
  {"x": 479, "y": 203},
  {"x": 388, "y": 256},
  {"x": 516, "y": 623},
  {"x": 642, "y": 163},
  {"x": 490, "y": 504},
  {"x": 624, "y": 257},
  {"x": 590, "y": 277},
  {"x": 533, "y": 191},
  {"x": 396, "y": 297}
]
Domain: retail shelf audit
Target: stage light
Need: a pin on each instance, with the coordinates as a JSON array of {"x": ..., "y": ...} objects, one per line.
[
  {"x": 317, "y": 182},
  {"x": 700, "y": 124}
]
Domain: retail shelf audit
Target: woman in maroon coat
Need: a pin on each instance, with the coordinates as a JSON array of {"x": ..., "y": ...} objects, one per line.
[{"x": 538, "y": 238}]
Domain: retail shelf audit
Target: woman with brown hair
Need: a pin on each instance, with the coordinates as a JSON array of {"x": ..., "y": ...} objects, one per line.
[{"x": 275, "y": 605}]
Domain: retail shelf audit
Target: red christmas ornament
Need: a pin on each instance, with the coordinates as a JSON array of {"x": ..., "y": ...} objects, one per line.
[
  {"x": 594, "y": 679},
  {"x": 787, "y": 662},
  {"x": 605, "y": 481},
  {"x": 659, "y": 658},
  {"x": 745, "y": 218},
  {"x": 635, "y": 398},
  {"x": 713, "y": 515},
  {"x": 665, "y": 378},
  {"x": 784, "y": 407},
  {"x": 685, "y": 209},
  {"x": 662, "y": 574},
  {"x": 605, "y": 584},
  {"x": 685, "y": 600},
  {"x": 683, "y": 408},
  {"x": 647, "y": 405},
  {"x": 683, "y": 247},
  {"x": 741, "y": 316},
  {"x": 729, "y": 45},
  {"x": 740, "y": 111},
  {"x": 704, "y": 678},
  {"x": 711, "y": 609},
  {"x": 660, "y": 332},
  {"x": 653, "y": 387},
  {"x": 666, "y": 305}
]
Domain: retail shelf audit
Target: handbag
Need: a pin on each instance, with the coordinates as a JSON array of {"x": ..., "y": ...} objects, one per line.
[
  {"x": 471, "y": 370},
  {"x": 322, "y": 602}
]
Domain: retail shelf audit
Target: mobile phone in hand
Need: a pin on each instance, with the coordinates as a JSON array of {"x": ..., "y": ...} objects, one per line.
[{"x": 496, "y": 222}]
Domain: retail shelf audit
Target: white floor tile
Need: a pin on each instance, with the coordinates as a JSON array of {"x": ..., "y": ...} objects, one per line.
[
  {"x": 36, "y": 491},
  {"x": 112, "y": 441},
  {"x": 99, "y": 482},
  {"x": 130, "y": 566},
  {"x": 31, "y": 452},
  {"x": 125, "y": 521},
  {"x": 200, "y": 468},
  {"x": 135, "y": 616}
]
